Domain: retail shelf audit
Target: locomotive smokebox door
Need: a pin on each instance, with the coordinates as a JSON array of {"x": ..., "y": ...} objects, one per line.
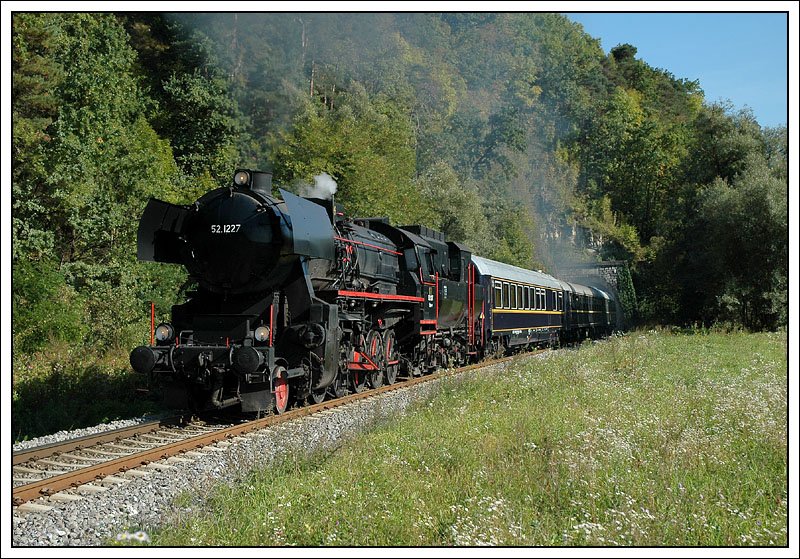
[{"x": 312, "y": 230}]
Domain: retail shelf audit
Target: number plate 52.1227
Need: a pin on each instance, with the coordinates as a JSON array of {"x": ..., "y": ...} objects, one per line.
[{"x": 227, "y": 228}]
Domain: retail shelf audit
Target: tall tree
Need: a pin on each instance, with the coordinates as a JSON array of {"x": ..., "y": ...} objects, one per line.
[
  {"x": 98, "y": 162},
  {"x": 366, "y": 144}
]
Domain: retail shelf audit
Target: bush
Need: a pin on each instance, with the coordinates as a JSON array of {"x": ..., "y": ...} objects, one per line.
[
  {"x": 62, "y": 387},
  {"x": 44, "y": 308}
]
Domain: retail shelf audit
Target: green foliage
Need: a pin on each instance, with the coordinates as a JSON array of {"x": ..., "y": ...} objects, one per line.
[
  {"x": 459, "y": 213},
  {"x": 512, "y": 243},
  {"x": 722, "y": 142},
  {"x": 366, "y": 144},
  {"x": 191, "y": 104},
  {"x": 45, "y": 309},
  {"x": 747, "y": 226},
  {"x": 201, "y": 119},
  {"x": 65, "y": 387},
  {"x": 627, "y": 295},
  {"x": 723, "y": 254},
  {"x": 505, "y": 132},
  {"x": 81, "y": 181},
  {"x": 34, "y": 106},
  {"x": 619, "y": 240}
]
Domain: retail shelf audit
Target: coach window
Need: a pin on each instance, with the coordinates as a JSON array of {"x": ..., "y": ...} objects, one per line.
[
  {"x": 519, "y": 297},
  {"x": 560, "y": 301},
  {"x": 513, "y": 297},
  {"x": 506, "y": 300},
  {"x": 527, "y": 296},
  {"x": 498, "y": 295}
]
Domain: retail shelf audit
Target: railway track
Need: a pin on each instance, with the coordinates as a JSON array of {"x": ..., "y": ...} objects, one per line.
[{"x": 92, "y": 463}]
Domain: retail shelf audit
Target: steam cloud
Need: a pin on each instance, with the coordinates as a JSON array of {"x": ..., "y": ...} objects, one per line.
[{"x": 324, "y": 187}]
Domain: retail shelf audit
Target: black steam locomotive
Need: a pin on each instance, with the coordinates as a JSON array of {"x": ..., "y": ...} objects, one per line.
[{"x": 294, "y": 301}]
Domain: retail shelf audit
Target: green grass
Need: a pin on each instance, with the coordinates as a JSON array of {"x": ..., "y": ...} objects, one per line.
[
  {"x": 648, "y": 439},
  {"x": 63, "y": 388}
]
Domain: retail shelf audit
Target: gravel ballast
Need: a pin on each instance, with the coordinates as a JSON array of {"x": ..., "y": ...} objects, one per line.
[{"x": 145, "y": 503}]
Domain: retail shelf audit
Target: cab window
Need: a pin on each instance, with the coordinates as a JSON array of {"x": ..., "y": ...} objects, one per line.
[{"x": 411, "y": 259}]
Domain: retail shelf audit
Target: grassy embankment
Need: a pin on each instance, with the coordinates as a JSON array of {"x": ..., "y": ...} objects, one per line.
[
  {"x": 65, "y": 388},
  {"x": 647, "y": 439}
]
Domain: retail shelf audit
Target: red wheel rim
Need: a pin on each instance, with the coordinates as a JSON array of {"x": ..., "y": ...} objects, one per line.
[{"x": 281, "y": 394}]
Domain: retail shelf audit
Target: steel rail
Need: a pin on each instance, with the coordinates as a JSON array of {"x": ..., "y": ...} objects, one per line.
[
  {"x": 80, "y": 443},
  {"x": 88, "y": 474}
]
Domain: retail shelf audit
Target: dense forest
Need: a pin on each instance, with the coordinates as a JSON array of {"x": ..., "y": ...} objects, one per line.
[{"x": 513, "y": 133}]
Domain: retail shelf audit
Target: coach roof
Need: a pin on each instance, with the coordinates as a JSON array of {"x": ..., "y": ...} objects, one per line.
[{"x": 500, "y": 270}]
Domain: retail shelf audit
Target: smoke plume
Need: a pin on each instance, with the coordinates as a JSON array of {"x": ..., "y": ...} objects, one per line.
[{"x": 324, "y": 187}]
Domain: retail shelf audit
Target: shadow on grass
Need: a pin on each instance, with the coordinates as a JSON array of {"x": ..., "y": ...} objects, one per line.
[{"x": 70, "y": 396}]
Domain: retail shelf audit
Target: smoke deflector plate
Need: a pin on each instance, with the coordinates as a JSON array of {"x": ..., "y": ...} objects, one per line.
[{"x": 312, "y": 231}]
